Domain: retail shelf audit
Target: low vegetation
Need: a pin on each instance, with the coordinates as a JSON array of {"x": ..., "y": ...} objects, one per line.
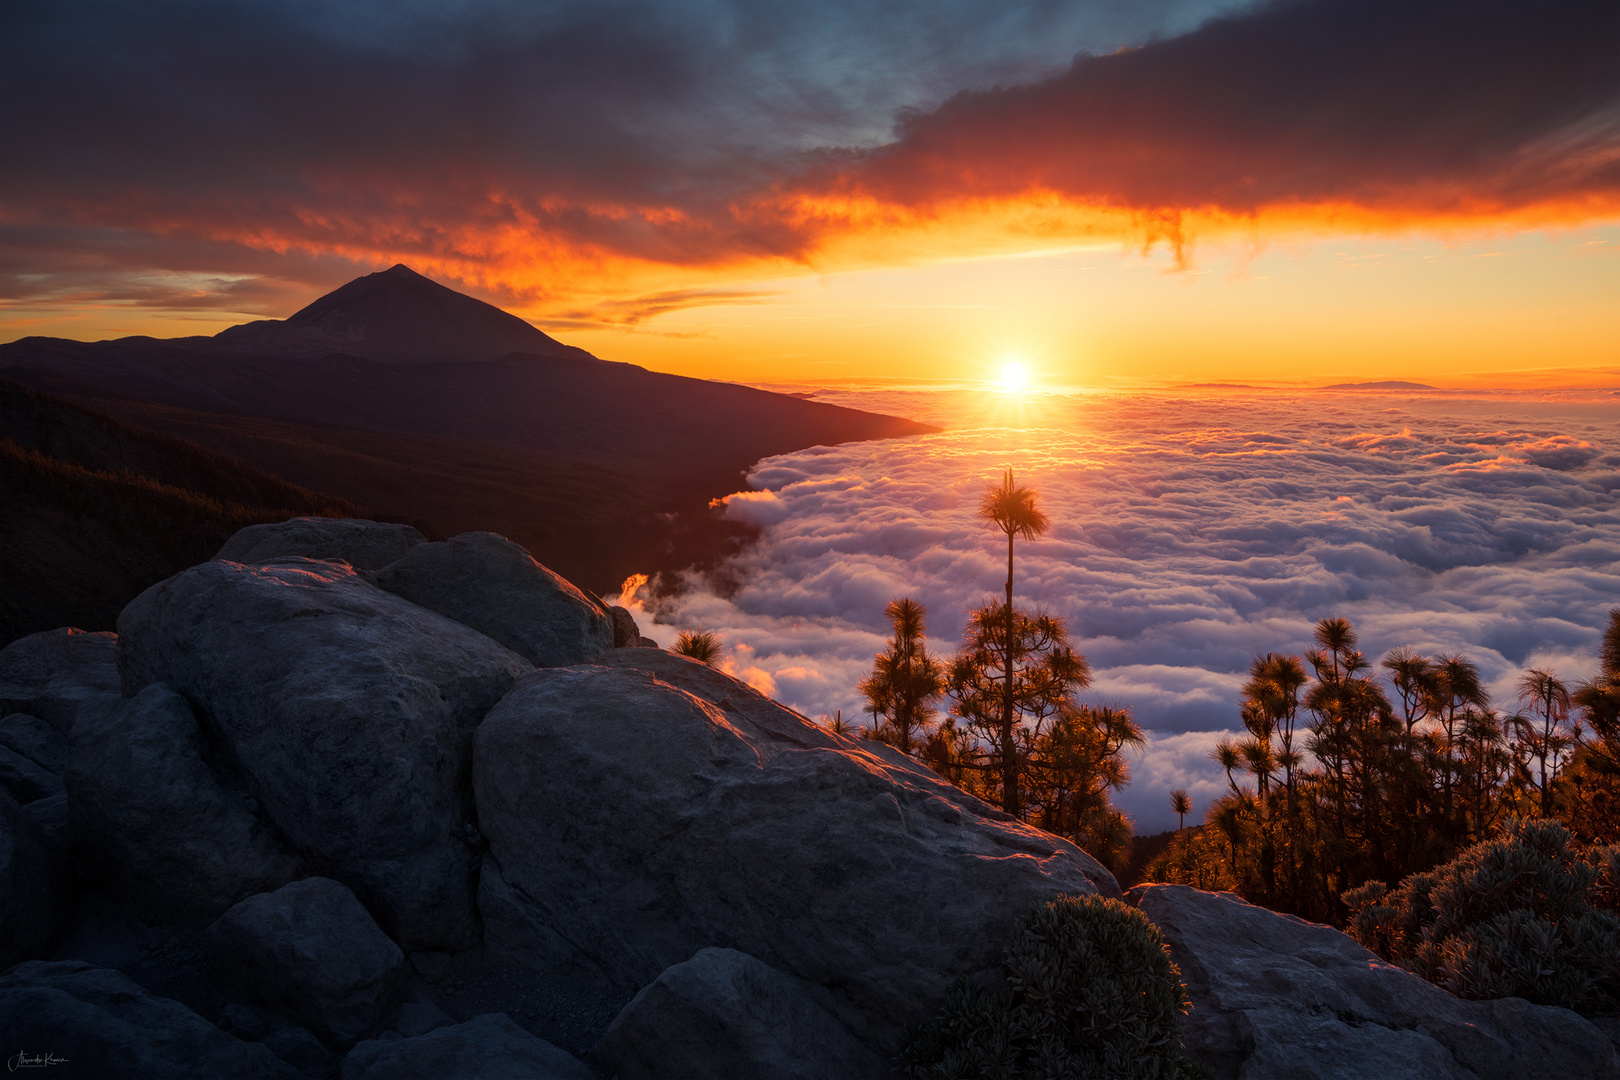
[
  {"x": 700, "y": 645},
  {"x": 1527, "y": 914},
  {"x": 1088, "y": 989}
]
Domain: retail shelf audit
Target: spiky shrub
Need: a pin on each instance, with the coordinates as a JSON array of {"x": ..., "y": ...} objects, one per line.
[
  {"x": 1088, "y": 991},
  {"x": 700, "y": 645},
  {"x": 1524, "y": 914}
]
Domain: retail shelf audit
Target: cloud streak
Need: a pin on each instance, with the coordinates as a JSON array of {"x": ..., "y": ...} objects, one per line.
[{"x": 1190, "y": 533}]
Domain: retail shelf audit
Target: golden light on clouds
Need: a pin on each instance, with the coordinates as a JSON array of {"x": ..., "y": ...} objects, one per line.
[{"x": 1288, "y": 192}]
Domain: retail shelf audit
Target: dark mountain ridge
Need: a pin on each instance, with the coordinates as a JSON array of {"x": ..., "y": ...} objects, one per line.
[
  {"x": 601, "y": 469},
  {"x": 570, "y": 404},
  {"x": 416, "y": 357},
  {"x": 399, "y": 317}
]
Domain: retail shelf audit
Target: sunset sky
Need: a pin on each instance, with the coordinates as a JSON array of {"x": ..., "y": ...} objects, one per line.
[{"x": 1115, "y": 194}]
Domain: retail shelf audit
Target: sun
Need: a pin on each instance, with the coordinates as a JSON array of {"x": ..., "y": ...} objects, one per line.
[{"x": 1014, "y": 376}]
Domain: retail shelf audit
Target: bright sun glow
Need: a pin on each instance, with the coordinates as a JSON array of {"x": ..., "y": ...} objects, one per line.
[{"x": 1013, "y": 376}]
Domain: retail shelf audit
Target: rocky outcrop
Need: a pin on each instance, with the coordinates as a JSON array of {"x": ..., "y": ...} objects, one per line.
[
  {"x": 289, "y": 1042},
  {"x": 158, "y": 828},
  {"x": 364, "y": 545},
  {"x": 781, "y": 901},
  {"x": 420, "y": 1017},
  {"x": 310, "y": 952},
  {"x": 723, "y": 1013},
  {"x": 50, "y": 674},
  {"x": 35, "y": 739},
  {"x": 736, "y": 823},
  {"x": 348, "y": 714},
  {"x": 492, "y": 585},
  {"x": 36, "y": 887},
  {"x": 626, "y": 634},
  {"x": 51, "y": 815},
  {"x": 24, "y": 780},
  {"x": 486, "y": 1046},
  {"x": 1277, "y": 997},
  {"x": 98, "y": 1022}
]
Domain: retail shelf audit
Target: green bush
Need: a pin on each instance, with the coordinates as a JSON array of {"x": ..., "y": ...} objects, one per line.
[
  {"x": 1524, "y": 914},
  {"x": 1089, "y": 991}
]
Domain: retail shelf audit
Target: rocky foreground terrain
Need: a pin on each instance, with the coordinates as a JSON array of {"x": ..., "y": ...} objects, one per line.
[{"x": 345, "y": 802}]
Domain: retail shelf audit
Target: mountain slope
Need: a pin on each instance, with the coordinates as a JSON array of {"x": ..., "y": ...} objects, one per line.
[
  {"x": 538, "y": 394},
  {"x": 94, "y": 510},
  {"x": 592, "y": 520},
  {"x": 601, "y": 469}
]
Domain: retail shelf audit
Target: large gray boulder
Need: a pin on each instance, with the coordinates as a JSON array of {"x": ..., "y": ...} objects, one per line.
[
  {"x": 156, "y": 826},
  {"x": 289, "y": 1042},
  {"x": 1277, "y": 997},
  {"x": 97, "y": 1022},
  {"x": 311, "y": 952},
  {"x": 51, "y": 815},
  {"x": 36, "y": 739},
  {"x": 496, "y": 587},
  {"x": 36, "y": 887},
  {"x": 349, "y": 713},
  {"x": 50, "y": 674},
  {"x": 632, "y": 823},
  {"x": 626, "y": 634},
  {"x": 25, "y": 780},
  {"x": 725, "y": 1014},
  {"x": 485, "y": 1046},
  {"x": 364, "y": 545}
]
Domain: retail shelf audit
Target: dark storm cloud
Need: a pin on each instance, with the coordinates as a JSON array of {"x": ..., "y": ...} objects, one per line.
[
  {"x": 514, "y": 146},
  {"x": 629, "y": 126},
  {"x": 1431, "y": 107},
  {"x": 224, "y": 116}
]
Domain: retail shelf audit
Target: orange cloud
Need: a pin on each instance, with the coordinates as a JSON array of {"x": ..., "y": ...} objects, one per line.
[{"x": 535, "y": 172}]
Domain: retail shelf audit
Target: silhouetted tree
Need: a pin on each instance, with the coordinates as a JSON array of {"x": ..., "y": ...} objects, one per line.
[
  {"x": 1181, "y": 806},
  {"x": 1542, "y": 732},
  {"x": 1394, "y": 783},
  {"x": 905, "y": 681},
  {"x": 1071, "y": 769},
  {"x": 1011, "y": 509},
  {"x": 1592, "y": 780},
  {"x": 1014, "y": 675},
  {"x": 1225, "y": 754}
]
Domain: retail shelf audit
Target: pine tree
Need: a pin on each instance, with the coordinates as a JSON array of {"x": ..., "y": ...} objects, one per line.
[
  {"x": 1592, "y": 781},
  {"x": 1007, "y": 690},
  {"x": 1011, "y": 509},
  {"x": 1181, "y": 806},
  {"x": 905, "y": 681}
]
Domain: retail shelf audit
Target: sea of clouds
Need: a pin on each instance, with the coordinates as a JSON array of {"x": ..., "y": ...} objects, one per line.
[{"x": 1190, "y": 531}]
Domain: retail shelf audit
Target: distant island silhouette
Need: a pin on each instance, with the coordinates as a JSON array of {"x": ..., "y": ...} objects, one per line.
[{"x": 1388, "y": 384}]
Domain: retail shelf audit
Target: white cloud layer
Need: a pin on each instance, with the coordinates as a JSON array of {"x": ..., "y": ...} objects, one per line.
[{"x": 1188, "y": 534}]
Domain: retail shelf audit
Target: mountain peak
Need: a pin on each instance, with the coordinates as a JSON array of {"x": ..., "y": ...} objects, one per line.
[{"x": 396, "y": 316}]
